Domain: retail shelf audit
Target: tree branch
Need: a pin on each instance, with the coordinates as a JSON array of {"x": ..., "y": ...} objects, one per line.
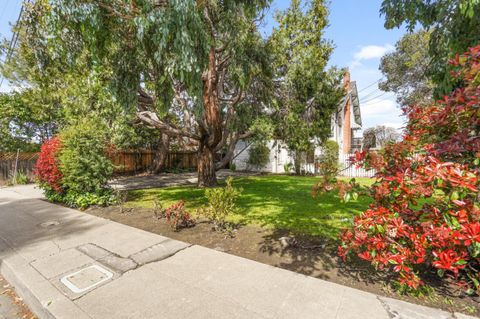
[
  {"x": 230, "y": 151},
  {"x": 150, "y": 118}
]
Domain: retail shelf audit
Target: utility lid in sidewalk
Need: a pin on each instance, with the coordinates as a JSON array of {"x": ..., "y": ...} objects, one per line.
[{"x": 86, "y": 278}]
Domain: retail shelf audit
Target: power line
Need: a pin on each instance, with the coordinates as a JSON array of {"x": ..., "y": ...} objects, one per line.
[
  {"x": 13, "y": 40},
  {"x": 373, "y": 98},
  {"x": 370, "y": 85},
  {"x": 376, "y": 91},
  {"x": 379, "y": 101}
]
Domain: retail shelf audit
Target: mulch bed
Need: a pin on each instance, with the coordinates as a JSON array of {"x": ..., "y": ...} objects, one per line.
[{"x": 303, "y": 254}]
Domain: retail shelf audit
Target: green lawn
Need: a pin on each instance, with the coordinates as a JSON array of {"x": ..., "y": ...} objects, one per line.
[{"x": 271, "y": 201}]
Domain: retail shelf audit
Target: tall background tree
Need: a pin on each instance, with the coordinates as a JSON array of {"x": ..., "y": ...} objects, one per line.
[
  {"x": 454, "y": 25},
  {"x": 406, "y": 70},
  {"x": 22, "y": 126},
  {"x": 47, "y": 94},
  {"x": 28, "y": 113},
  {"x": 307, "y": 94},
  {"x": 185, "y": 68},
  {"x": 379, "y": 136}
]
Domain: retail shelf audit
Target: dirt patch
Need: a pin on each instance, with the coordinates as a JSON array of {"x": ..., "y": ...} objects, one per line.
[{"x": 307, "y": 255}]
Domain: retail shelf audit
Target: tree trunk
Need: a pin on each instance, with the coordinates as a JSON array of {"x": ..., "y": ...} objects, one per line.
[
  {"x": 297, "y": 162},
  {"x": 161, "y": 153},
  {"x": 211, "y": 125},
  {"x": 206, "y": 166},
  {"x": 227, "y": 158}
]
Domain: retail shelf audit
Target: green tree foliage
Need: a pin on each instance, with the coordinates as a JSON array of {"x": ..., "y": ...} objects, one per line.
[
  {"x": 49, "y": 94},
  {"x": 258, "y": 155},
  {"x": 22, "y": 125},
  {"x": 83, "y": 160},
  {"x": 30, "y": 112},
  {"x": 186, "y": 68},
  {"x": 379, "y": 136},
  {"x": 307, "y": 94},
  {"x": 454, "y": 25},
  {"x": 405, "y": 70}
]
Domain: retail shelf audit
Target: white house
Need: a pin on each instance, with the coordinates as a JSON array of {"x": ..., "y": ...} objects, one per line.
[{"x": 345, "y": 122}]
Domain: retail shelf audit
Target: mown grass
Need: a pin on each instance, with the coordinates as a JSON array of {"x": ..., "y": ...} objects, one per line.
[{"x": 282, "y": 202}]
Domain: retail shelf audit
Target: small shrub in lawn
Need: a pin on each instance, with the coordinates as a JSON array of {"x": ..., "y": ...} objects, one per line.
[
  {"x": 158, "y": 210},
  {"x": 288, "y": 168},
  {"x": 121, "y": 198},
  {"x": 177, "y": 217},
  {"x": 327, "y": 165},
  {"x": 327, "y": 161},
  {"x": 221, "y": 204}
]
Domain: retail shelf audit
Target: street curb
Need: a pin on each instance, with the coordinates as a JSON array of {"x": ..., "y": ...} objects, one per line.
[
  {"x": 43, "y": 299},
  {"x": 22, "y": 290}
]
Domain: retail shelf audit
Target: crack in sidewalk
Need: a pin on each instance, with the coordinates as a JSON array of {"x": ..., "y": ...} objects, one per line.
[{"x": 392, "y": 314}]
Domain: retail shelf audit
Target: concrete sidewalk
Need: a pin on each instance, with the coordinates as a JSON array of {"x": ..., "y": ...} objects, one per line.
[{"x": 67, "y": 264}]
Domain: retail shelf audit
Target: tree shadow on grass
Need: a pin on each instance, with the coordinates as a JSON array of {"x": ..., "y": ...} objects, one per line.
[{"x": 281, "y": 202}]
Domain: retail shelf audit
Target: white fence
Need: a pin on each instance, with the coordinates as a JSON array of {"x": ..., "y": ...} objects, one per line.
[{"x": 348, "y": 169}]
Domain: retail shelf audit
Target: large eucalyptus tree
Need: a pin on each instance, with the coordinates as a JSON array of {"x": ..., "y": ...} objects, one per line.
[{"x": 187, "y": 68}]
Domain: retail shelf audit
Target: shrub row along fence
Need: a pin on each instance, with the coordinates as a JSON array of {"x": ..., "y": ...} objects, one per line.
[
  {"x": 349, "y": 170},
  {"x": 126, "y": 162}
]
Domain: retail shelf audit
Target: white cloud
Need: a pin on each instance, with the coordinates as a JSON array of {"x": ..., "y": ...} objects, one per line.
[
  {"x": 382, "y": 111},
  {"x": 378, "y": 107},
  {"x": 372, "y": 52},
  {"x": 369, "y": 52}
]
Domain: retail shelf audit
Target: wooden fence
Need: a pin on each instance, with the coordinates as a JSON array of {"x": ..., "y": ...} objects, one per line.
[
  {"x": 25, "y": 164},
  {"x": 125, "y": 162},
  {"x": 134, "y": 162},
  {"x": 349, "y": 170}
]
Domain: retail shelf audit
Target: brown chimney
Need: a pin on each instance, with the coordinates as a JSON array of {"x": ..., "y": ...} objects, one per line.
[{"x": 346, "y": 80}]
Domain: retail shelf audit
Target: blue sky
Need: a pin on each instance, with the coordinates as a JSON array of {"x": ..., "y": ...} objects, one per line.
[
  {"x": 9, "y": 10},
  {"x": 360, "y": 39}
]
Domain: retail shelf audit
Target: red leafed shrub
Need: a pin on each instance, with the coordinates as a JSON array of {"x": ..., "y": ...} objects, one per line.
[
  {"x": 177, "y": 217},
  {"x": 47, "y": 167},
  {"x": 426, "y": 210}
]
